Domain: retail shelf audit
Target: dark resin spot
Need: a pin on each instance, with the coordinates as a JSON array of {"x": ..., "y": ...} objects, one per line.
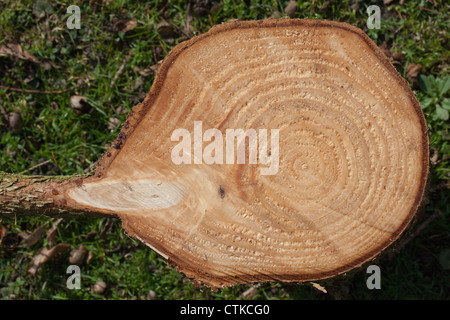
[
  {"x": 108, "y": 154},
  {"x": 221, "y": 192}
]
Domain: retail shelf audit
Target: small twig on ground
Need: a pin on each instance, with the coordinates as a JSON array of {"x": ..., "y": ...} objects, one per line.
[
  {"x": 114, "y": 250},
  {"x": 54, "y": 159},
  {"x": 210, "y": 20},
  {"x": 36, "y": 166},
  {"x": 419, "y": 229},
  {"x": 416, "y": 232},
  {"x": 250, "y": 292},
  {"x": 443, "y": 159},
  {"x": 42, "y": 289},
  {"x": 92, "y": 165},
  {"x": 179, "y": 29},
  {"x": 120, "y": 70},
  {"x": 429, "y": 10},
  {"x": 187, "y": 24},
  {"x": 34, "y": 91}
]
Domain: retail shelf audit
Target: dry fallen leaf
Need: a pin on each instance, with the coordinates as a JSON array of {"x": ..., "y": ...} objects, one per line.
[
  {"x": 45, "y": 254},
  {"x": 147, "y": 71},
  {"x": 90, "y": 235},
  {"x": 291, "y": 9},
  {"x": 398, "y": 56},
  {"x": 125, "y": 25},
  {"x": 14, "y": 49},
  {"x": 152, "y": 295},
  {"x": 15, "y": 122},
  {"x": 89, "y": 257},
  {"x": 113, "y": 123},
  {"x": 139, "y": 83},
  {"x": 276, "y": 15},
  {"x": 99, "y": 287},
  {"x": 109, "y": 223},
  {"x": 80, "y": 105},
  {"x": 51, "y": 233},
  {"x": 54, "y": 105},
  {"x": 250, "y": 292},
  {"x": 46, "y": 65},
  {"x": 121, "y": 110},
  {"x": 34, "y": 237},
  {"x": 154, "y": 68},
  {"x": 412, "y": 72},
  {"x": 158, "y": 54},
  {"x": 78, "y": 255},
  {"x": 434, "y": 155},
  {"x": 165, "y": 30},
  {"x": 385, "y": 49}
]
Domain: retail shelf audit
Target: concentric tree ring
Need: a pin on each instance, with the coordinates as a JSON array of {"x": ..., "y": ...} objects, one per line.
[{"x": 353, "y": 155}]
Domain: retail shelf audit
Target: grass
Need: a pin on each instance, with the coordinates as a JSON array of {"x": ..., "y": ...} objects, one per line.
[{"x": 85, "y": 61}]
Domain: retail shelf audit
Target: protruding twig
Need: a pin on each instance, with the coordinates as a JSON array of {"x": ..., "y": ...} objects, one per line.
[{"x": 34, "y": 91}]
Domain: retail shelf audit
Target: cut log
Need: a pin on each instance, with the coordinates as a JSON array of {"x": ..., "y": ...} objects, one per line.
[{"x": 328, "y": 170}]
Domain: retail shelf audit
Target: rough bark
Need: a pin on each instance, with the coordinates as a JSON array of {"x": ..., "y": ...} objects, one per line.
[{"x": 22, "y": 195}]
